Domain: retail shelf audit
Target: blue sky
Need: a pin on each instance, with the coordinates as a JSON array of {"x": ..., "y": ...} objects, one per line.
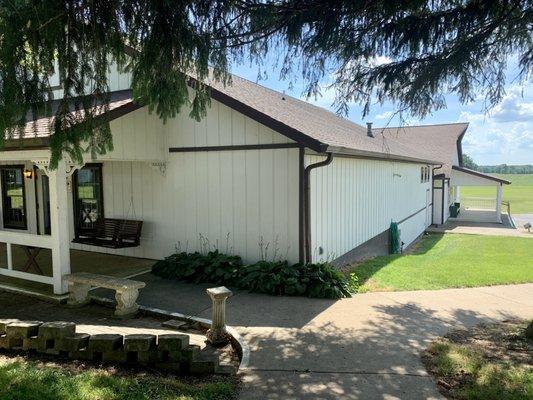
[{"x": 505, "y": 135}]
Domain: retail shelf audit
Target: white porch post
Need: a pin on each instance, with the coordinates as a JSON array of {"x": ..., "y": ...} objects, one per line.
[
  {"x": 59, "y": 226},
  {"x": 499, "y": 203},
  {"x": 458, "y": 194}
]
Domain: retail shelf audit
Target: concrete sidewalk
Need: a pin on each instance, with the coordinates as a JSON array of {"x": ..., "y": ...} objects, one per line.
[{"x": 366, "y": 347}]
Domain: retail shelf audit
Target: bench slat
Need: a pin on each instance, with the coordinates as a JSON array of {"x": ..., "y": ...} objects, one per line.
[{"x": 104, "y": 281}]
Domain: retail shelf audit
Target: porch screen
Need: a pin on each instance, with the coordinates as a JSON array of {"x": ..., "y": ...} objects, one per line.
[
  {"x": 13, "y": 198},
  {"x": 88, "y": 196}
]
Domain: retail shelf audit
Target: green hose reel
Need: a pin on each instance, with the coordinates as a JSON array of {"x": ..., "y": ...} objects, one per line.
[{"x": 395, "y": 239}]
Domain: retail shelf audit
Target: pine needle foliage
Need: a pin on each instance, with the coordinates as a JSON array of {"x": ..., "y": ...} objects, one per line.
[{"x": 410, "y": 52}]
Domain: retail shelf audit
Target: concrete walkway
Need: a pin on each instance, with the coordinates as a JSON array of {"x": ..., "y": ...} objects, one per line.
[
  {"x": 479, "y": 228},
  {"x": 366, "y": 347}
]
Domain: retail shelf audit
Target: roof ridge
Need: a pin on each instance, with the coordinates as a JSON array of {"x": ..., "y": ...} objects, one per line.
[{"x": 423, "y": 125}]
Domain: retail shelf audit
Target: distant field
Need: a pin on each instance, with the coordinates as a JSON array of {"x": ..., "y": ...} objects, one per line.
[{"x": 519, "y": 193}]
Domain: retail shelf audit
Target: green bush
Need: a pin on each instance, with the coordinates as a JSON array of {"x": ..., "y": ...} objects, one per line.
[
  {"x": 320, "y": 280},
  {"x": 213, "y": 267}
]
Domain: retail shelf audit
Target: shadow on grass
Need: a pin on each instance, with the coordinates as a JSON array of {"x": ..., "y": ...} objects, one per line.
[
  {"x": 365, "y": 270},
  {"x": 28, "y": 380}
]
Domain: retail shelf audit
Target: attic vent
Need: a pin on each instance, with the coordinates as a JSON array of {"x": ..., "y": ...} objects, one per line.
[{"x": 369, "y": 129}]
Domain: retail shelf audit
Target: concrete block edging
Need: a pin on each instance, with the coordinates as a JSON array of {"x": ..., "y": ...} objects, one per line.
[{"x": 243, "y": 350}]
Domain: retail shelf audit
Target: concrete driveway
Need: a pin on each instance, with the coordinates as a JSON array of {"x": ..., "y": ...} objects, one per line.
[
  {"x": 366, "y": 347},
  {"x": 522, "y": 219}
]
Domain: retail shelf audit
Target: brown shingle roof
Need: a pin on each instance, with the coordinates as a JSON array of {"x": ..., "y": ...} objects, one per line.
[
  {"x": 325, "y": 131},
  {"x": 120, "y": 102},
  {"x": 437, "y": 142},
  {"x": 316, "y": 127}
]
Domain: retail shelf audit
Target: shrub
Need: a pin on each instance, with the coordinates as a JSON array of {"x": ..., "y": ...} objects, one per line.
[
  {"x": 320, "y": 280},
  {"x": 272, "y": 277},
  {"x": 213, "y": 267}
]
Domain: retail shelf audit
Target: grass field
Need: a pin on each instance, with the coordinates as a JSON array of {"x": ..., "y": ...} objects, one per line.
[
  {"x": 450, "y": 260},
  {"x": 519, "y": 193},
  {"x": 33, "y": 380}
]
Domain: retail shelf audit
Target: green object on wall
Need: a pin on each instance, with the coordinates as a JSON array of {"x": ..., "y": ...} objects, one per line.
[
  {"x": 454, "y": 211},
  {"x": 395, "y": 241}
]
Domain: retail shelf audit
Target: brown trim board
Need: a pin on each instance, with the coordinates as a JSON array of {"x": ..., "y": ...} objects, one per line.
[
  {"x": 413, "y": 214},
  {"x": 265, "y": 146}
]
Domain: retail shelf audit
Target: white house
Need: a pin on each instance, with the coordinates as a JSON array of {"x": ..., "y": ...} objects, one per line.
[{"x": 263, "y": 175}]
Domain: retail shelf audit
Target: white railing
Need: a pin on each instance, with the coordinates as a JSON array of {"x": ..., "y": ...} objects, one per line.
[
  {"x": 478, "y": 203},
  {"x": 24, "y": 239}
]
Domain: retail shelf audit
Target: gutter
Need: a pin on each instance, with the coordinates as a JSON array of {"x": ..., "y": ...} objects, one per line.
[
  {"x": 347, "y": 152},
  {"x": 307, "y": 202}
]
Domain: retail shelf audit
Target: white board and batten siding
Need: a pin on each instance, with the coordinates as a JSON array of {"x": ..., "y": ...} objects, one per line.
[
  {"x": 117, "y": 80},
  {"x": 234, "y": 199},
  {"x": 355, "y": 199}
]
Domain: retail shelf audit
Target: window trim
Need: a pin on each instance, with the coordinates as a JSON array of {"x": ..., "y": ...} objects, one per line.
[
  {"x": 4, "y": 193},
  {"x": 75, "y": 210}
]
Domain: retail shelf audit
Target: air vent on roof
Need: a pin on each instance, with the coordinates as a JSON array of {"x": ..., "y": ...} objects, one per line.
[{"x": 369, "y": 129}]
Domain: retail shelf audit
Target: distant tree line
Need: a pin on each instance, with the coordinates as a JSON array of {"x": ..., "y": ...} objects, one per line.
[{"x": 497, "y": 169}]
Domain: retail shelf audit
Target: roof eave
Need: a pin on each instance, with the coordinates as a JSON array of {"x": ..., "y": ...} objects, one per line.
[
  {"x": 460, "y": 145},
  {"x": 378, "y": 155},
  {"x": 481, "y": 175}
]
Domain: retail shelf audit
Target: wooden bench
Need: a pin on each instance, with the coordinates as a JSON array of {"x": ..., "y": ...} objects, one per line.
[
  {"x": 113, "y": 233},
  {"x": 126, "y": 291}
]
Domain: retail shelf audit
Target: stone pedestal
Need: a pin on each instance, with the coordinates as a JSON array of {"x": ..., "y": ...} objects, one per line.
[
  {"x": 217, "y": 334},
  {"x": 126, "y": 302},
  {"x": 78, "y": 294}
]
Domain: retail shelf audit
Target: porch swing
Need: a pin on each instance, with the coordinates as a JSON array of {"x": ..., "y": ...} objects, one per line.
[{"x": 114, "y": 233}]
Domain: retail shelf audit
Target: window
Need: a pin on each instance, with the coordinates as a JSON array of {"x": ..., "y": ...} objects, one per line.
[
  {"x": 88, "y": 197},
  {"x": 424, "y": 174},
  {"x": 14, "y": 197}
]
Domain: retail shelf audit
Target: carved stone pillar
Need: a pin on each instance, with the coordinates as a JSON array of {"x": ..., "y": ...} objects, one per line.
[{"x": 217, "y": 335}]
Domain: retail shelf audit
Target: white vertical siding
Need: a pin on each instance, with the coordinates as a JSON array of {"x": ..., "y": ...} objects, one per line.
[
  {"x": 117, "y": 80},
  {"x": 222, "y": 126},
  {"x": 353, "y": 200},
  {"x": 137, "y": 135},
  {"x": 234, "y": 199}
]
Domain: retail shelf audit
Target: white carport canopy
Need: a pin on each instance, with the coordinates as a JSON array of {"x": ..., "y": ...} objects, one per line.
[{"x": 461, "y": 176}]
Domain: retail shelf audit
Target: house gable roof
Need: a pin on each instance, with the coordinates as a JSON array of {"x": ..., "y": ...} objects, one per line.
[
  {"x": 439, "y": 141},
  {"x": 317, "y": 128}
]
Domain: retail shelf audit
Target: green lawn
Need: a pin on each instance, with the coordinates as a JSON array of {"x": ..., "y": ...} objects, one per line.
[
  {"x": 31, "y": 380},
  {"x": 485, "y": 362},
  {"x": 451, "y": 260},
  {"x": 519, "y": 193}
]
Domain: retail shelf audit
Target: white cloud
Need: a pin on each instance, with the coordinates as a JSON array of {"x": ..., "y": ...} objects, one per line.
[
  {"x": 384, "y": 115},
  {"x": 504, "y": 135},
  {"x": 514, "y": 107}
]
